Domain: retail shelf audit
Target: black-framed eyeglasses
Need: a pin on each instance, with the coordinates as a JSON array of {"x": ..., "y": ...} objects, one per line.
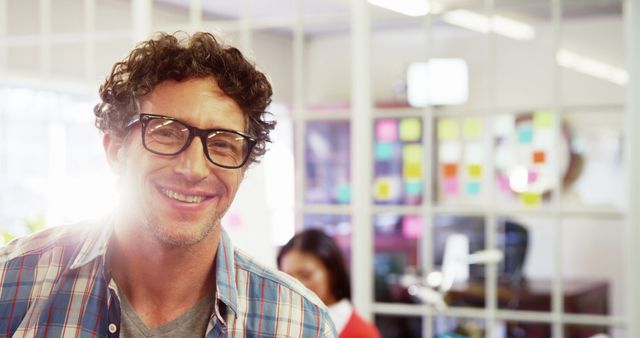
[{"x": 164, "y": 135}]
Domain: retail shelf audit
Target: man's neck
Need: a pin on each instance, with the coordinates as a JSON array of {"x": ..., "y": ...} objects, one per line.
[{"x": 162, "y": 281}]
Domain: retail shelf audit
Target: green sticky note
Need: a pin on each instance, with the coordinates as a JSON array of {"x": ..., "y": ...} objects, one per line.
[
  {"x": 473, "y": 188},
  {"x": 448, "y": 129},
  {"x": 412, "y": 171},
  {"x": 344, "y": 194},
  {"x": 412, "y": 153},
  {"x": 384, "y": 151},
  {"x": 472, "y": 128},
  {"x": 543, "y": 119},
  {"x": 410, "y": 129}
]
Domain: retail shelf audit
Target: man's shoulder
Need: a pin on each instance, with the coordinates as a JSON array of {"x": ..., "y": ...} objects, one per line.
[
  {"x": 63, "y": 239},
  {"x": 260, "y": 272}
]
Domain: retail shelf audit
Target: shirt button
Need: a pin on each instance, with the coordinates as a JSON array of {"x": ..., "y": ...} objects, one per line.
[{"x": 113, "y": 328}]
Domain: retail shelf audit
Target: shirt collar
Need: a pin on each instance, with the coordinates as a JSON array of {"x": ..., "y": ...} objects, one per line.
[{"x": 97, "y": 244}]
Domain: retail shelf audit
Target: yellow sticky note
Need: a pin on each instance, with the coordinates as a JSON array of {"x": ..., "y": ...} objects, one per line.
[
  {"x": 472, "y": 128},
  {"x": 382, "y": 189},
  {"x": 410, "y": 129},
  {"x": 474, "y": 170},
  {"x": 412, "y": 171},
  {"x": 543, "y": 119},
  {"x": 530, "y": 199},
  {"x": 412, "y": 153},
  {"x": 448, "y": 129}
]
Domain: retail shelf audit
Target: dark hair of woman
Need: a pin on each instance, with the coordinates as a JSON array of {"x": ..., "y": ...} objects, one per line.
[{"x": 315, "y": 242}]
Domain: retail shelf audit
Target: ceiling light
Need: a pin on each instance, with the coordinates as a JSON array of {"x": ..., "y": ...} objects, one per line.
[
  {"x": 592, "y": 67},
  {"x": 481, "y": 23},
  {"x": 406, "y": 7}
]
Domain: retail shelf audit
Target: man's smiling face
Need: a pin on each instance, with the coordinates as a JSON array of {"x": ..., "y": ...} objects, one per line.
[{"x": 180, "y": 199}]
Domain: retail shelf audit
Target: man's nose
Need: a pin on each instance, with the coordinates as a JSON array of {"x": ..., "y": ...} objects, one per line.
[{"x": 193, "y": 163}]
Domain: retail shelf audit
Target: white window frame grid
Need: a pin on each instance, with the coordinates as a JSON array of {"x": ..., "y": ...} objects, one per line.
[{"x": 362, "y": 209}]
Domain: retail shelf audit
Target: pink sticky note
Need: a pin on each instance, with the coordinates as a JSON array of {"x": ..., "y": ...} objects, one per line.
[
  {"x": 412, "y": 226},
  {"x": 503, "y": 183},
  {"x": 387, "y": 130},
  {"x": 533, "y": 176},
  {"x": 451, "y": 186}
]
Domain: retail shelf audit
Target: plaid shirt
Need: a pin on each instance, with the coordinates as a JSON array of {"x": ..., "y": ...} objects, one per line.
[{"x": 54, "y": 284}]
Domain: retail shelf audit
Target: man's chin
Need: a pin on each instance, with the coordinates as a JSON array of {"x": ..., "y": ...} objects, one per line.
[{"x": 174, "y": 238}]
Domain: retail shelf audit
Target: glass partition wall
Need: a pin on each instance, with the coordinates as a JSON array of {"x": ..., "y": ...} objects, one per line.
[{"x": 472, "y": 161}]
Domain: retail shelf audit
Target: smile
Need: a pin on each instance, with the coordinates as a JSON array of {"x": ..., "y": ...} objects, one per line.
[{"x": 181, "y": 197}]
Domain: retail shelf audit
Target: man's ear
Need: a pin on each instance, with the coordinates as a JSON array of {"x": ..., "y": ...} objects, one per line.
[{"x": 113, "y": 149}]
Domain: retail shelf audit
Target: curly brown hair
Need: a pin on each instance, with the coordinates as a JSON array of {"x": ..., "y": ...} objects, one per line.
[{"x": 168, "y": 57}]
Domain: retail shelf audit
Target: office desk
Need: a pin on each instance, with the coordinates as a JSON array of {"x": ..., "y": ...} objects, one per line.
[{"x": 583, "y": 297}]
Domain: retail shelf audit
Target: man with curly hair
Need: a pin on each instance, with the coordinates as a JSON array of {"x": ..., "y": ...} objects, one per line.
[{"x": 182, "y": 118}]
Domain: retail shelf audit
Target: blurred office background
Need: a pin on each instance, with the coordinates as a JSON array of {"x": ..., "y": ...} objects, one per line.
[{"x": 472, "y": 153}]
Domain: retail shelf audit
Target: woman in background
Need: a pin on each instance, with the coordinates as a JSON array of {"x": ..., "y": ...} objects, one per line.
[{"x": 315, "y": 260}]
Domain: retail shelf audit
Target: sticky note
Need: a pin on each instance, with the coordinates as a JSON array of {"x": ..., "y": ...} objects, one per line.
[
  {"x": 343, "y": 194},
  {"x": 473, "y": 188},
  {"x": 533, "y": 177},
  {"x": 543, "y": 119},
  {"x": 386, "y": 130},
  {"x": 413, "y": 188},
  {"x": 538, "y": 157},
  {"x": 451, "y": 186},
  {"x": 412, "y": 171},
  {"x": 525, "y": 134},
  {"x": 412, "y": 226},
  {"x": 410, "y": 129},
  {"x": 382, "y": 189},
  {"x": 448, "y": 129},
  {"x": 503, "y": 183},
  {"x": 472, "y": 128},
  {"x": 412, "y": 153},
  {"x": 504, "y": 125},
  {"x": 384, "y": 151},
  {"x": 449, "y": 151},
  {"x": 450, "y": 169},
  {"x": 474, "y": 152},
  {"x": 474, "y": 170},
  {"x": 530, "y": 199}
]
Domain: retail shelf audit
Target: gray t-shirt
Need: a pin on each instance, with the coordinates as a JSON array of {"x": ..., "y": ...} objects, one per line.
[{"x": 192, "y": 323}]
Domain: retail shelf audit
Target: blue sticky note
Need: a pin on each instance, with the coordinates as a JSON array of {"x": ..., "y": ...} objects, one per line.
[
  {"x": 384, "y": 151},
  {"x": 473, "y": 188},
  {"x": 525, "y": 134},
  {"x": 344, "y": 194},
  {"x": 413, "y": 188}
]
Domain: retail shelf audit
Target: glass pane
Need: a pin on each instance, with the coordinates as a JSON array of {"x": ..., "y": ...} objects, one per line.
[
  {"x": 17, "y": 11},
  {"x": 525, "y": 275},
  {"x": 595, "y": 179},
  {"x": 327, "y": 167},
  {"x": 454, "y": 239},
  {"x": 399, "y": 326},
  {"x": 114, "y": 16},
  {"x": 593, "y": 265},
  {"x": 452, "y": 38},
  {"x": 169, "y": 15},
  {"x": 61, "y": 21},
  {"x": 460, "y": 157},
  {"x": 397, "y": 258},
  {"x": 67, "y": 61},
  {"x": 515, "y": 329},
  {"x": 588, "y": 331},
  {"x": 451, "y": 327},
  {"x": 524, "y": 79},
  {"x": 280, "y": 9},
  {"x": 336, "y": 226},
  {"x": 398, "y": 161},
  {"x": 272, "y": 50},
  {"x": 24, "y": 59},
  {"x": 592, "y": 53},
  {"x": 327, "y": 78}
]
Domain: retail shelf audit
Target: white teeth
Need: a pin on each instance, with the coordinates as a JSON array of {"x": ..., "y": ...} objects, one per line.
[{"x": 182, "y": 198}]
